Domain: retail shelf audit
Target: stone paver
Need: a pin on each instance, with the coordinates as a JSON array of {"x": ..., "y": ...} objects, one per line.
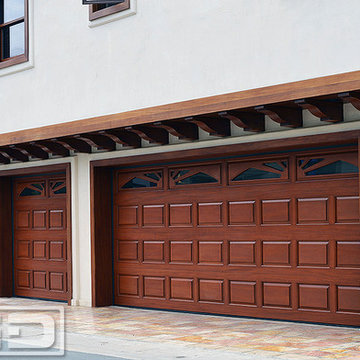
[{"x": 138, "y": 333}]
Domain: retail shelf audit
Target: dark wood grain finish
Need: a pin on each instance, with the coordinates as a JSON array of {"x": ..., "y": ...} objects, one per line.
[
  {"x": 272, "y": 248},
  {"x": 101, "y": 256},
  {"x": 6, "y": 248},
  {"x": 42, "y": 258}
]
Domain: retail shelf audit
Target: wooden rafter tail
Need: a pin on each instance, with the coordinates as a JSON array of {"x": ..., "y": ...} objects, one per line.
[
  {"x": 99, "y": 141},
  {"x": 285, "y": 116},
  {"x": 74, "y": 144},
  {"x": 181, "y": 129},
  {"x": 150, "y": 133},
  {"x": 212, "y": 124},
  {"x": 330, "y": 111},
  {"x": 4, "y": 158},
  {"x": 15, "y": 154},
  {"x": 52, "y": 147},
  {"x": 34, "y": 151},
  {"x": 351, "y": 97},
  {"x": 123, "y": 137},
  {"x": 249, "y": 121}
]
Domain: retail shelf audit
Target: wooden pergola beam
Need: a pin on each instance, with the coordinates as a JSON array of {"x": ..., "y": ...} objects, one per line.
[{"x": 329, "y": 111}]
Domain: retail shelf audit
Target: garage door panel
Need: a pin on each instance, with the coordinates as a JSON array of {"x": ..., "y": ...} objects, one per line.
[
  {"x": 251, "y": 244},
  {"x": 40, "y": 238}
]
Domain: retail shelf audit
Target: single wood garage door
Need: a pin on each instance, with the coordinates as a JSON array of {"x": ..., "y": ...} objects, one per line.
[
  {"x": 40, "y": 237},
  {"x": 271, "y": 237}
]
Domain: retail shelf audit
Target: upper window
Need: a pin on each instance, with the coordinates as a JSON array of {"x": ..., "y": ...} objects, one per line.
[
  {"x": 271, "y": 170},
  {"x": 328, "y": 166},
  {"x": 101, "y": 10},
  {"x": 13, "y": 32}
]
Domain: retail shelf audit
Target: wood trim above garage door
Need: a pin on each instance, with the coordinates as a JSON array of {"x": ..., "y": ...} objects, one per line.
[{"x": 320, "y": 86}]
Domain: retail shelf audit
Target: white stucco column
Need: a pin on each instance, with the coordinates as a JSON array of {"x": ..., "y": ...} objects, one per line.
[{"x": 81, "y": 231}]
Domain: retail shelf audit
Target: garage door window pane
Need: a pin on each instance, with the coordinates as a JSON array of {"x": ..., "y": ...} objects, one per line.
[
  {"x": 256, "y": 174},
  {"x": 199, "y": 178},
  {"x": 337, "y": 167},
  {"x": 139, "y": 183}
]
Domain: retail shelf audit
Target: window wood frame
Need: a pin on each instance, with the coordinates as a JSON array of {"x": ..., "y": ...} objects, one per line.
[
  {"x": 23, "y": 57},
  {"x": 97, "y": 14}
]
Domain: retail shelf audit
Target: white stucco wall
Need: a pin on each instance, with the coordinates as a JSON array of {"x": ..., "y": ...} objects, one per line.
[{"x": 172, "y": 51}]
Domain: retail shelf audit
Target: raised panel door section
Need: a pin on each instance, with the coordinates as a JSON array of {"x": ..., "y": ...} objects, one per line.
[
  {"x": 181, "y": 289},
  {"x": 276, "y": 253},
  {"x": 127, "y": 250},
  {"x": 276, "y": 294},
  {"x": 153, "y": 251},
  {"x": 211, "y": 290},
  {"x": 128, "y": 285},
  {"x": 348, "y": 299},
  {"x": 153, "y": 215},
  {"x": 154, "y": 286},
  {"x": 181, "y": 215},
  {"x": 127, "y": 215},
  {"x": 313, "y": 210},
  {"x": 347, "y": 209},
  {"x": 242, "y": 213},
  {"x": 314, "y": 297},
  {"x": 242, "y": 253},
  {"x": 210, "y": 214},
  {"x": 348, "y": 254},
  {"x": 210, "y": 252},
  {"x": 243, "y": 293},
  {"x": 181, "y": 252},
  {"x": 313, "y": 253},
  {"x": 276, "y": 211}
]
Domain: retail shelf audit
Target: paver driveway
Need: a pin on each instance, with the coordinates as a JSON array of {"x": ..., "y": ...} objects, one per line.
[{"x": 150, "y": 334}]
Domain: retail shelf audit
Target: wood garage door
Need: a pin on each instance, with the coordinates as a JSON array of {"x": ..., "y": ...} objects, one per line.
[
  {"x": 40, "y": 233},
  {"x": 274, "y": 237}
]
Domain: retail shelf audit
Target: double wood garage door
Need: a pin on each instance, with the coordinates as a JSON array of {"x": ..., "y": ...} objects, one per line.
[
  {"x": 40, "y": 237},
  {"x": 275, "y": 237}
]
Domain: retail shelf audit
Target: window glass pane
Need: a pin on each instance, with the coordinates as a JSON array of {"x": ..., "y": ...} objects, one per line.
[
  {"x": 13, "y": 40},
  {"x": 138, "y": 183},
  {"x": 256, "y": 174},
  {"x": 199, "y": 178},
  {"x": 337, "y": 167},
  {"x": 275, "y": 165},
  {"x": 17, "y": 39},
  {"x": 13, "y": 9}
]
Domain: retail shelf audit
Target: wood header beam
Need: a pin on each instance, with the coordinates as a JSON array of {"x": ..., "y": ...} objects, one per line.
[{"x": 321, "y": 86}]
